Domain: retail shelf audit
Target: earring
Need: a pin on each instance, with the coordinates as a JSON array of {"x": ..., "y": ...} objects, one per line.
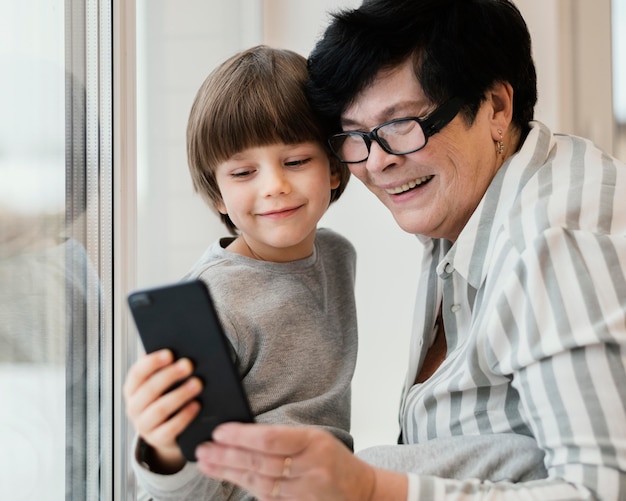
[{"x": 500, "y": 144}]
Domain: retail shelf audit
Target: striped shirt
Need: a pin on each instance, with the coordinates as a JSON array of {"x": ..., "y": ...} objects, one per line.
[{"x": 533, "y": 294}]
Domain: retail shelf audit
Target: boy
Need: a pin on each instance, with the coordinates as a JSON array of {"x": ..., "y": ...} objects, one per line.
[{"x": 283, "y": 288}]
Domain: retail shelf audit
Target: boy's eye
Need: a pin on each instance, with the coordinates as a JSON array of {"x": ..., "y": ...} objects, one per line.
[
  {"x": 295, "y": 163},
  {"x": 242, "y": 173}
]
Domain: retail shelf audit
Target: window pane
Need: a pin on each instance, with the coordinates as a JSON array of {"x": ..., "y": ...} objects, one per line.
[
  {"x": 51, "y": 254},
  {"x": 618, "y": 16}
]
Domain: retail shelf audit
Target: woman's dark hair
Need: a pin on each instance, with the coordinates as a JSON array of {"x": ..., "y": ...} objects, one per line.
[{"x": 458, "y": 47}]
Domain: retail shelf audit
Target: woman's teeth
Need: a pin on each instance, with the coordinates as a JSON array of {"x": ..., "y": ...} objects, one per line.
[{"x": 408, "y": 186}]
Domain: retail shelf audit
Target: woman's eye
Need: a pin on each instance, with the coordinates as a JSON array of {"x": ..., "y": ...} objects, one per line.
[{"x": 402, "y": 127}]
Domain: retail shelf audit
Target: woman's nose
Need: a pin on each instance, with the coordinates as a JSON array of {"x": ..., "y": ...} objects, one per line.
[{"x": 378, "y": 159}]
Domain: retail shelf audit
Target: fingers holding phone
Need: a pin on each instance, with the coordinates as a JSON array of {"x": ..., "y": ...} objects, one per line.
[{"x": 158, "y": 412}]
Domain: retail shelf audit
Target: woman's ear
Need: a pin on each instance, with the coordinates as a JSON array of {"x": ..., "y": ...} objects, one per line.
[{"x": 500, "y": 96}]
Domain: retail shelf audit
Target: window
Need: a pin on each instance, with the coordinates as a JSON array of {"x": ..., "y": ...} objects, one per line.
[{"x": 55, "y": 250}]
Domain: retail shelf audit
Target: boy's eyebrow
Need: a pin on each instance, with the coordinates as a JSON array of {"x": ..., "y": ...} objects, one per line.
[{"x": 237, "y": 156}]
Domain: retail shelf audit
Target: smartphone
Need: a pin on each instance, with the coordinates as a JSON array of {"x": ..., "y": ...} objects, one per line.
[{"x": 182, "y": 318}]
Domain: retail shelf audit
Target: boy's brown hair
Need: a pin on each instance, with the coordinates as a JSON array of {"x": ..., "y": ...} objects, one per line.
[{"x": 255, "y": 98}]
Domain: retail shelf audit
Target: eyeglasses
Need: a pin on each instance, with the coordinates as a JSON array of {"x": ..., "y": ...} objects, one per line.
[{"x": 397, "y": 137}]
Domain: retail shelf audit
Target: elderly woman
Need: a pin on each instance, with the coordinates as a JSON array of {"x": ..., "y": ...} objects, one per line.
[{"x": 520, "y": 323}]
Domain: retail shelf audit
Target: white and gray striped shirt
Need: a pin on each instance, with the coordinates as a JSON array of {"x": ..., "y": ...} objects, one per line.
[{"x": 534, "y": 305}]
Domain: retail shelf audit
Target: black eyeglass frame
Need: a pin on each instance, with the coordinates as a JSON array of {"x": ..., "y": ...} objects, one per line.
[{"x": 433, "y": 123}]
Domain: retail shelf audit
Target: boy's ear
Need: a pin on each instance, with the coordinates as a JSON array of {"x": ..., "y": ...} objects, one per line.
[
  {"x": 335, "y": 180},
  {"x": 221, "y": 207}
]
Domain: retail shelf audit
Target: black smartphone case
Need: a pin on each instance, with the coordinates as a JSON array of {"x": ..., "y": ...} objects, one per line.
[{"x": 182, "y": 318}]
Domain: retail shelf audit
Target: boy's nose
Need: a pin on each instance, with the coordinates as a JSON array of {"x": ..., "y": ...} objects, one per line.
[{"x": 276, "y": 182}]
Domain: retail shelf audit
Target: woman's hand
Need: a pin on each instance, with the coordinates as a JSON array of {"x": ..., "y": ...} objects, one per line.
[
  {"x": 157, "y": 415},
  {"x": 288, "y": 462}
]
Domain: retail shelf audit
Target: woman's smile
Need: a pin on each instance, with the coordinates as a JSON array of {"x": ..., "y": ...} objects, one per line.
[{"x": 409, "y": 186}]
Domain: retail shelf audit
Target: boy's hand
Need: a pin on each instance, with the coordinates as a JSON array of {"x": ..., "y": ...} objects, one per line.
[{"x": 159, "y": 417}]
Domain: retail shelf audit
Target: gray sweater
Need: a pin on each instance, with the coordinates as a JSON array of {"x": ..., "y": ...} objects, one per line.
[{"x": 293, "y": 330}]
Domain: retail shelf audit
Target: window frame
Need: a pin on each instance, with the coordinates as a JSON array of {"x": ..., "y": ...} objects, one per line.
[{"x": 124, "y": 349}]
